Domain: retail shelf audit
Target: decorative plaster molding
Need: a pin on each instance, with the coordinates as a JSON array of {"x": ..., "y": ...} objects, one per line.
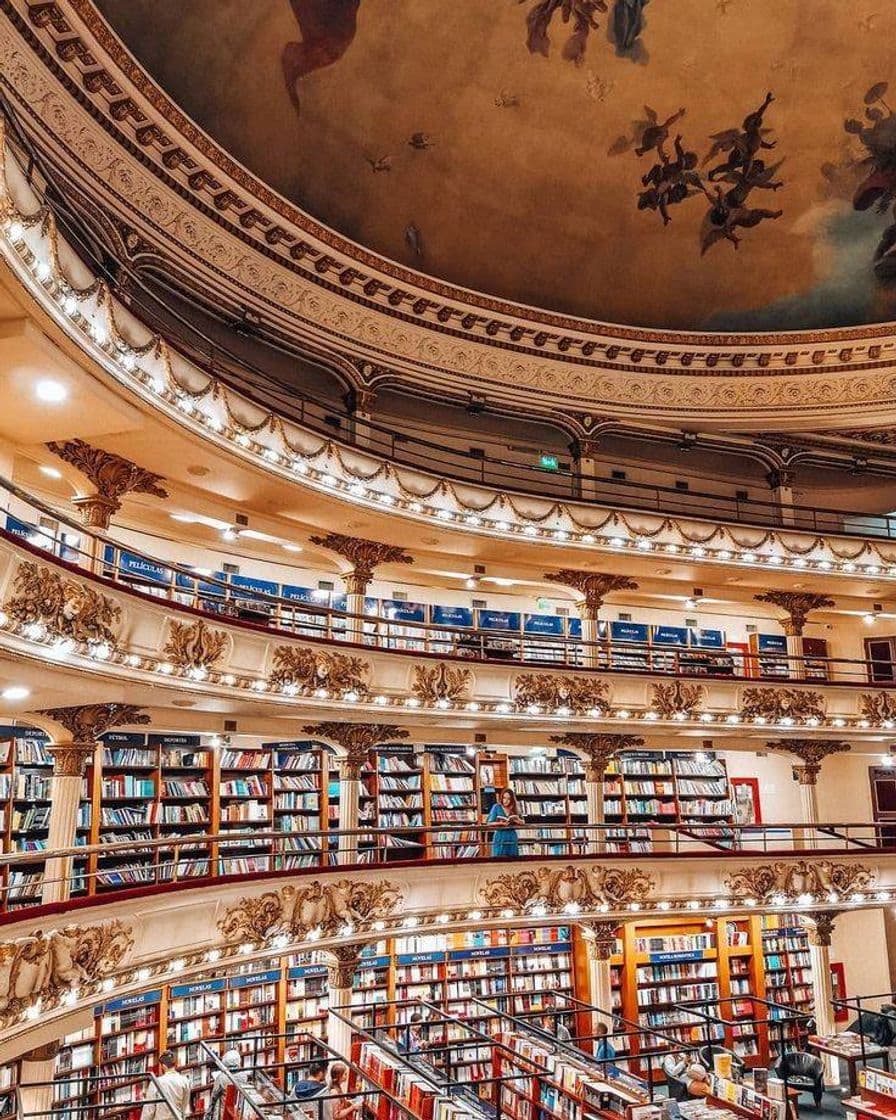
[
  {"x": 776, "y": 704},
  {"x": 299, "y": 669},
  {"x": 880, "y": 707},
  {"x": 600, "y": 938},
  {"x": 820, "y": 927},
  {"x": 342, "y": 964},
  {"x": 195, "y": 645},
  {"x": 793, "y": 880},
  {"x": 433, "y": 684},
  {"x": 45, "y": 966},
  {"x": 297, "y": 911},
  {"x": 356, "y": 739},
  {"x": 550, "y": 691},
  {"x": 588, "y": 888},
  {"x": 66, "y": 607},
  {"x": 673, "y": 699}
]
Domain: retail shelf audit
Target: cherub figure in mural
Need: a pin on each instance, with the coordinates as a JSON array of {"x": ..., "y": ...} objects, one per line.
[
  {"x": 328, "y": 29},
  {"x": 671, "y": 181},
  {"x": 871, "y": 173},
  {"x": 723, "y": 219},
  {"x": 656, "y": 132},
  {"x": 628, "y": 23},
  {"x": 582, "y": 14},
  {"x": 742, "y": 144}
]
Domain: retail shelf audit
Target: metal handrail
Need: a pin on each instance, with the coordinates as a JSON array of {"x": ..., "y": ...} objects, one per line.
[
  {"x": 440, "y": 639},
  {"x": 200, "y": 859},
  {"x": 401, "y": 446}
]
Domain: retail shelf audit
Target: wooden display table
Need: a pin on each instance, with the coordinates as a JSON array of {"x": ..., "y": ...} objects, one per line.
[{"x": 848, "y": 1048}]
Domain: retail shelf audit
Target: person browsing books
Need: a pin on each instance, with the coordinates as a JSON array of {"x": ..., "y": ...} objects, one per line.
[
  {"x": 503, "y": 817},
  {"x": 174, "y": 1087}
]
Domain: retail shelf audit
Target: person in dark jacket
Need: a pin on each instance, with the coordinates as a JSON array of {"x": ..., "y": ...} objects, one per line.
[{"x": 312, "y": 1084}]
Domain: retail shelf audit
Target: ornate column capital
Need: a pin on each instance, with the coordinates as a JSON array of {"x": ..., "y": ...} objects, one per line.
[
  {"x": 600, "y": 938},
  {"x": 356, "y": 739},
  {"x": 797, "y": 605},
  {"x": 86, "y": 723},
  {"x": 781, "y": 478},
  {"x": 822, "y": 927},
  {"x": 112, "y": 475},
  {"x": 812, "y": 752},
  {"x": 342, "y": 964},
  {"x": 597, "y": 749},
  {"x": 595, "y": 586},
  {"x": 360, "y": 400},
  {"x": 45, "y": 1053},
  {"x": 363, "y": 555}
]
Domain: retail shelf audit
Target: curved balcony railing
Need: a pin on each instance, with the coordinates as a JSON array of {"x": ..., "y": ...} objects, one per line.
[
  {"x": 135, "y": 867},
  {"x": 283, "y": 611},
  {"x": 330, "y": 419}
]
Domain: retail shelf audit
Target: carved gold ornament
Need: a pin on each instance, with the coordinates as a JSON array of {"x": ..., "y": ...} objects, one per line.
[
  {"x": 600, "y": 939},
  {"x": 327, "y": 907},
  {"x": 65, "y": 606},
  {"x": 557, "y": 690},
  {"x": 306, "y": 670},
  {"x": 44, "y": 966},
  {"x": 441, "y": 682},
  {"x": 820, "y": 929},
  {"x": 782, "y": 703},
  {"x": 356, "y": 739},
  {"x": 789, "y": 880},
  {"x": 195, "y": 645},
  {"x": 673, "y": 698},
  {"x": 342, "y": 964},
  {"x": 879, "y": 707},
  {"x": 569, "y": 887},
  {"x": 811, "y": 752}
]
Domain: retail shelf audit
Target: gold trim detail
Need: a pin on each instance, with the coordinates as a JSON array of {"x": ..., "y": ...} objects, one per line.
[
  {"x": 595, "y": 586},
  {"x": 586, "y": 887},
  {"x": 782, "y": 703},
  {"x": 112, "y": 475},
  {"x": 431, "y": 684},
  {"x": 820, "y": 878},
  {"x": 673, "y": 698},
  {"x": 797, "y": 606},
  {"x": 556, "y": 690},
  {"x": 195, "y": 645},
  {"x": 308, "y": 670},
  {"x": 67, "y": 607}
]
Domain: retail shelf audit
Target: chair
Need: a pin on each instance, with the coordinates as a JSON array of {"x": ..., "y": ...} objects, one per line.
[{"x": 803, "y": 1071}]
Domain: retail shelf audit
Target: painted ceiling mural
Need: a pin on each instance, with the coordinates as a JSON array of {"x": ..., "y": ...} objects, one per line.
[{"x": 693, "y": 164}]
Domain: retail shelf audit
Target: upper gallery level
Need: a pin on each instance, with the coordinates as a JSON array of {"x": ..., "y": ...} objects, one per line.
[{"x": 196, "y": 199}]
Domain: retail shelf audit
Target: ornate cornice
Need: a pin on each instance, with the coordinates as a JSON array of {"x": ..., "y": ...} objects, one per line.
[
  {"x": 812, "y": 752},
  {"x": 797, "y": 605},
  {"x": 137, "y": 153},
  {"x": 300, "y": 669},
  {"x": 594, "y": 586},
  {"x": 112, "y": 476},
  {"x": 597, "y": 749},
  {"x": 356, "y": 739},
  {"x": 87, "y": 722},
  {"x": 364, "y": 556}
]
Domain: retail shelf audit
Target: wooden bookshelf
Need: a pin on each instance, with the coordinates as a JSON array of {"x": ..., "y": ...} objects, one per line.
[
  {"x": 9, "y": 1079},
  {"x": 451, "y": 797},
  {"x": 787, "y": 965},
  {"x": 550, "y": 789}
]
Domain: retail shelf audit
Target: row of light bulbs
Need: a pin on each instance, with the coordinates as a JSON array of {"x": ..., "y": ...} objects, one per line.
[
  {"x": 297, "y": 465},
  {"x": 60, "y": 647},
  {"x": 537, "y": 909}
]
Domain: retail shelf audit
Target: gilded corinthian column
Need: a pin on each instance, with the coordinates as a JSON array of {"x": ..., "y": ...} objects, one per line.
[
  {"x": 594, "y": 586},
  {"x": 85, "y": 723},
  {"x": 112, "y": 476},
  {"x": 364, "y": 556},
  {"x": 357, "y": 740},
  {"x": 796, "y": 605},
  {"x": 811, "y": 752},
  {"x": 596, "y": 750}
]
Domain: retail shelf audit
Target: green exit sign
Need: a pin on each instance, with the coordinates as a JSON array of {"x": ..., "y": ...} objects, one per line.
[{"x": 549, "y": 462}]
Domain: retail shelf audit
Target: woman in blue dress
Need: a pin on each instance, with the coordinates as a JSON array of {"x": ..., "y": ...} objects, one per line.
[{"x": 504, "y": 815}]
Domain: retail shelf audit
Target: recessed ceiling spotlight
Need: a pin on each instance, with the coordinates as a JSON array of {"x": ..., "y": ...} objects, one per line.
[
  {"x": 50, "y": 472},
  {"x": 15, "y": 692},
  {"x": 51, "y": 392}
]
